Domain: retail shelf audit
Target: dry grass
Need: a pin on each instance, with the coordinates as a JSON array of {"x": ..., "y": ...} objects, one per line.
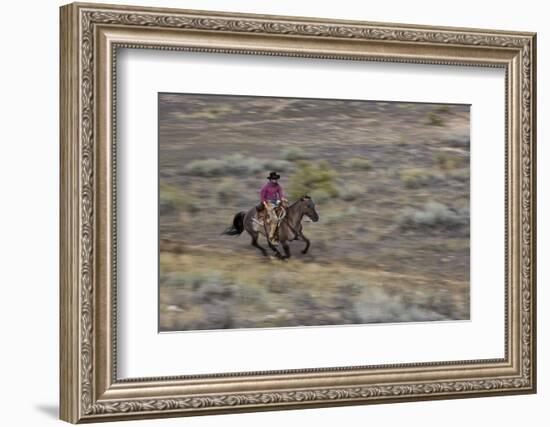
[{"x": 225, "y": 291}]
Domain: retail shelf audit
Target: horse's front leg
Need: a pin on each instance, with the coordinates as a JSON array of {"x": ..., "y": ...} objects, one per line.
[
  {"x": 274, "y": 249},
  {"x": 305, "y": 239},
  {"x": 271, "y": 245},
  {"x": 286, "y": 248}
]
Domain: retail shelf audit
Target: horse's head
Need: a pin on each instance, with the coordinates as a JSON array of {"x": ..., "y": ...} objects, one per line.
[{"x": 308, "y": 208}]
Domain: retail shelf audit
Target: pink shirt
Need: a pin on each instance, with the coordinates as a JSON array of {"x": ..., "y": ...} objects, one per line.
[{"x": 271, "y": 191}]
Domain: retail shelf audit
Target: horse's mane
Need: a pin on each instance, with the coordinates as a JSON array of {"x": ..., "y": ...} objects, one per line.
[{"x": 301, "y": 199}]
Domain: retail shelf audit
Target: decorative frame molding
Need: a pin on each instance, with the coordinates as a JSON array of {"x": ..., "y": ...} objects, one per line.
[{"x": 90, "y": 36}]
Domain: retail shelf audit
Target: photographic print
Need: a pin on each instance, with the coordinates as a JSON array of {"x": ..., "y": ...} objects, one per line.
[
  {"x": 294, "y": 212},
  {"x": 330, "y": 222}
]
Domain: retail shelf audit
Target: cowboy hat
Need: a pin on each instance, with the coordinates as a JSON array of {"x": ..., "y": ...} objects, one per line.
[{"x": 274, "y": 175}]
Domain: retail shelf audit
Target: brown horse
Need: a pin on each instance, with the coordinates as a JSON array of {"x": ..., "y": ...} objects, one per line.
[{"x": 290, "y": 227}]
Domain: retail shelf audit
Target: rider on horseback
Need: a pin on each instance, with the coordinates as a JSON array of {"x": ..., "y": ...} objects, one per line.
[{"x": 273, "y": 199}]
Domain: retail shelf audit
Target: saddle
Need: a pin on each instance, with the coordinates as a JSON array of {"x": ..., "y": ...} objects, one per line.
[
  {"x": 263, "y": 220},
  {"x": 262, "y": 214}
]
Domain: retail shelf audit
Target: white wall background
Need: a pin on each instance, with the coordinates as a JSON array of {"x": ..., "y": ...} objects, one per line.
[{"x": 29, "y": 171}]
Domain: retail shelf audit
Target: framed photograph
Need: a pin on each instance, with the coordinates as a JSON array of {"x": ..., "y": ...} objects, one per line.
[{"x": 267, "y": 212}]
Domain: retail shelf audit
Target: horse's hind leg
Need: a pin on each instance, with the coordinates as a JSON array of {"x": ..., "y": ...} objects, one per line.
[
  {"x": 305, "y": 239},
  {"x": 257, "y": 245}
]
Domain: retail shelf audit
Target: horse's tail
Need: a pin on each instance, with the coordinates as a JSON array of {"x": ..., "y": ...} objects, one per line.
[{"x": 238, "y": 225}]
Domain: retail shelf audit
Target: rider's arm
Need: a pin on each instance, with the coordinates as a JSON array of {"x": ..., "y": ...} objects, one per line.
[
  {"x": 263, "y": 194},
  {"x": 281, "y": 192}
]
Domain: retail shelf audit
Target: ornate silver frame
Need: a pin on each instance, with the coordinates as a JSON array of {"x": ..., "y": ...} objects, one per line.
[{"x": 90, "y": 36}]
